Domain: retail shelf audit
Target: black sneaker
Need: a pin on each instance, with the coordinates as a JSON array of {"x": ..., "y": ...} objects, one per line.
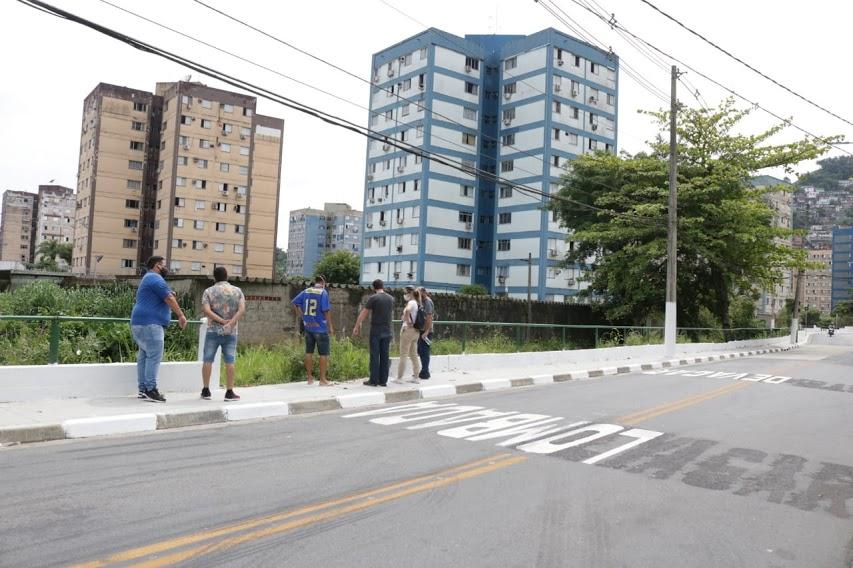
[
  {"x": 140, "y": 394},
  {"x": 369, "y": 384},
  {"x": 154, "y": 395},
  {"x": 231, "y": 396},
  {"x": 205, "y": 393}
]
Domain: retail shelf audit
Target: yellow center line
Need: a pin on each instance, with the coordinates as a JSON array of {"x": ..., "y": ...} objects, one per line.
[
  {"x": 194, "y": 538},
  {"x": 637, "y": 417},
  {"x": 438, "y": 481}
]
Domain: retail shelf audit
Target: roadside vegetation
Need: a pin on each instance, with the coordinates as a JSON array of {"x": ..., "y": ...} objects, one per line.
[{"x": 28, "y": 342}]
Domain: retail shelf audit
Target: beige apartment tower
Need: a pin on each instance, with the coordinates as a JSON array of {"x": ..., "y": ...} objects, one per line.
[
  {"x": 817, "y": 283},
  {"x": 16, "y": 230},
  {"x": 190, "y": 173}
]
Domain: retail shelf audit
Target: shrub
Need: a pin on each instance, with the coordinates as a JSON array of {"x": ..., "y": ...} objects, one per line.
[{"x": 28, "y": 343}]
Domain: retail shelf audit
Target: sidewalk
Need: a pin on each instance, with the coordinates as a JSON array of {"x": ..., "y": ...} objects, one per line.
[{"x": 38, "y": 421}]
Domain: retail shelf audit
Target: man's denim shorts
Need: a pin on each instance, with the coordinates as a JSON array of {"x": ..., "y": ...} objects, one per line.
[
  {"x": 321, "y": 340},
  {"x": 212, "y": 341}
]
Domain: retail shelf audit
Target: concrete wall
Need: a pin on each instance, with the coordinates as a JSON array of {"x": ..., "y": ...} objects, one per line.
[
  {"x": 105, "y": 380},
  {"x": 580, "y": 358},
  {"x": 270, "y": 319}
]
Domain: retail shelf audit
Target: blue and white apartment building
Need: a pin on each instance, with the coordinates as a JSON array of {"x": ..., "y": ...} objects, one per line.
[
  {"x": 842, "y": 264},
  {"x": 314, "y": 232},
  {"x": 521, "y": 107}
]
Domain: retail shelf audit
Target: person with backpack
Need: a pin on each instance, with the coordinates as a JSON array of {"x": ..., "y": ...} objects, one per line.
[
  {"x": 425, "y": 339},
  {"x": 409, "y": 335}
]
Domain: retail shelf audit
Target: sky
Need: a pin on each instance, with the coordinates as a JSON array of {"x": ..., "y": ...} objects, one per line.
[{"x": 50, "y": 65}]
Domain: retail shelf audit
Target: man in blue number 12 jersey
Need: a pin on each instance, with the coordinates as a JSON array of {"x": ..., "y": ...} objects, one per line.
[{"x": 313, "y": 307}]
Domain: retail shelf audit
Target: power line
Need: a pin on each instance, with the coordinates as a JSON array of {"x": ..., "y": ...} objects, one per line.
[
  {"x": 232, "y": 54},
  {"x": 744, "y": 63},
  {"x": 565, "y": 19},
  {"x": 310, "y": 86},
  {"x": 415, "y": 102},
  {"x": 755, "y": 104},
  {"x": 285, "y": 101},
  {"x": 411, "y": 101}
]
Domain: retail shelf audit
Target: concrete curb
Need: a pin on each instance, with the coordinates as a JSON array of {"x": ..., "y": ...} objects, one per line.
[
  {"x": 107, "y": 425},
  {"x": 147, "y": 422}
]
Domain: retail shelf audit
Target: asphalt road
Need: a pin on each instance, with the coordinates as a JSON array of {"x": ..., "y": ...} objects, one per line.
[{"x": 746, "y": 462}]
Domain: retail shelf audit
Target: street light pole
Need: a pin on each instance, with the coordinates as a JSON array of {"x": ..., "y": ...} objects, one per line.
[
  {"x": 672, "y": 238},
  {"x": 529, "y": 286}
]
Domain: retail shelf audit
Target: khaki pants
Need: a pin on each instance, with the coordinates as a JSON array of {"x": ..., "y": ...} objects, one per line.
[{"x": 409, "y": 348}]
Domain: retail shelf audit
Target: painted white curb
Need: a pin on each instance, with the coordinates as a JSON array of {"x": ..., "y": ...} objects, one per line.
[
  {"x": 635, "y": 368},
  {"x": 435, "y": 391},
  {"x": 255, "y": 410},
  {"x": 580, "y": 375},
  {"x": 610, "y": 371},
  {"x": 106, "y": 425},
  {"x": 361, "y": 399},
  {"x": 544, "y": 379},
  {"x": 496, "y": 384}
]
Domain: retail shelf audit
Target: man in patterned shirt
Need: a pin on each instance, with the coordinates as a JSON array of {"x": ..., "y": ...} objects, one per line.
[{"x": 224, "y": 305}]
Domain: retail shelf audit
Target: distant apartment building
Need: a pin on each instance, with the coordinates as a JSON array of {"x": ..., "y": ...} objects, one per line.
[
  {"x": 314, "y": 232},
  {"x": 519, "y": 107},
  {"x": 56, "y": 211},
  {"x": 842, "y": 265},
  {"x": 190, "y": 173},
  {"x": 817, "y": 282},
  {"x": 771, "y": 303},
  {"x": 17, "y": 229}
]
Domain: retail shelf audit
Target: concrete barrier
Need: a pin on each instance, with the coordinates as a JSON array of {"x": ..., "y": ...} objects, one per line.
[
  {"x": 108, "y": 425},
  {"x": 21, "y": 383}
]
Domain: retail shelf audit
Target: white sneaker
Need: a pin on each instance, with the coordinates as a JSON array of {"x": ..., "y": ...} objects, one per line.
[
  {"x": 397, "y": 381},
  {"x": 414, "y": 380}
]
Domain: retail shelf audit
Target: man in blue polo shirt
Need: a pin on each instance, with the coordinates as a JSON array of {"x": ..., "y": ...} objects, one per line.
[
  {"x": 312, "y": 305},
  {"x": 148, "y": 321}
]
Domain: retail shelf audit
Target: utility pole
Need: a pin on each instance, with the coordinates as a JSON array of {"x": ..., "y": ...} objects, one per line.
[
  {"x": 795, "y": 315},
  {"x": 529, "y": 286},
  {"x": 672, "y": 235}
]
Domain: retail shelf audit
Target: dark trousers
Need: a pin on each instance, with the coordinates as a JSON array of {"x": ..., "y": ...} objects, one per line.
[
  {"x": 380, "y": 362},
  {"x": 423, "y": 353}
]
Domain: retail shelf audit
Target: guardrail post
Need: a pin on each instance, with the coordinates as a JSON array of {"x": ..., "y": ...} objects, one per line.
[
  {"x": 517, "y": 339},
  {"x": 202, "y": 332},
  {"x": 54, "y": 341},
  {"x": 564, "y": 338},
  {"x": 464, "y": 334},
  {"x": 596, "y": 337}
]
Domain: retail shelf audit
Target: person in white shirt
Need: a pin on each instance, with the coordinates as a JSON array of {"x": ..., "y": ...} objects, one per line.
[{"x": 409, "y": 336}]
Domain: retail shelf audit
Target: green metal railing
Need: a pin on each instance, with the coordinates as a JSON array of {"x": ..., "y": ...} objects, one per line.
[
  {"x": 463, "y": 331},
  {"x": 56, "y": 322}
]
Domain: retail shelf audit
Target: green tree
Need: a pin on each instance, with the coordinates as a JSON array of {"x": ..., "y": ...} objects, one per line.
[
  {"x": 727, "y": 244},
  {"x": 829, "y": 173},
  {"x": 280, "y": 263},
  {"x": 47, "y": 253},
  {"x": 844, "y": 312},
  {"x": 474, "y": 290},
  {"x": 339, "y": 267}
]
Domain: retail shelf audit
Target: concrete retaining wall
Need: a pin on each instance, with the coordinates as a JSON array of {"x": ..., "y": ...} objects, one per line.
[
  {"x": 20, "y": 383},
  {"x": 591, "y": 357}
]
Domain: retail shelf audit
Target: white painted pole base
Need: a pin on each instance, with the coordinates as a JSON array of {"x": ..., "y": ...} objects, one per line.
[{"x": 669, "y": 331}]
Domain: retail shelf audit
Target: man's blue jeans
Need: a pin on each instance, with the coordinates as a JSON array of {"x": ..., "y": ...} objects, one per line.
[
  {"x": 380, "y": 362},
  {"x": 423, "y": 353},
  {"x": 150, "y": 339}
]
